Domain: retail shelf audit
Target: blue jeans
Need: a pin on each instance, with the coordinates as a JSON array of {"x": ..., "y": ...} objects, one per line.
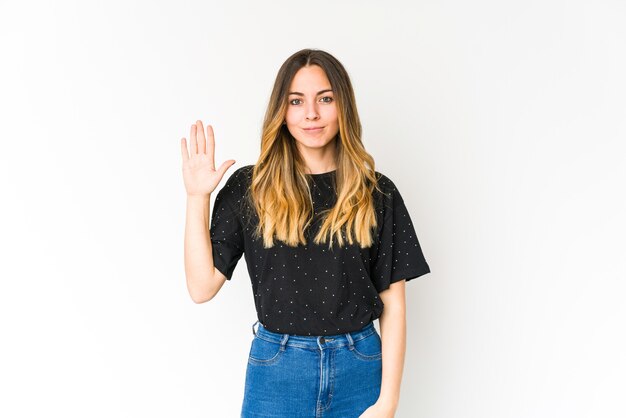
[{"x": 296, "y": 376}]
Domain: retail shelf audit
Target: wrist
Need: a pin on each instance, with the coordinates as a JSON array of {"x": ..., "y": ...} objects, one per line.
[
  {"x": 201, "y": 197},
  {"x": 388, "y": 402}
]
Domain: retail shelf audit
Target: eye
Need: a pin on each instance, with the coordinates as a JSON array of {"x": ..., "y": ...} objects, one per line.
[
  {"x": 293, "y": 100},
  {"x": 327, "y": 97}
]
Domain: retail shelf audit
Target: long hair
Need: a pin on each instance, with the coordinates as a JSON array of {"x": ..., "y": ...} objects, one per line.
[{"x": 279, "y": 190}]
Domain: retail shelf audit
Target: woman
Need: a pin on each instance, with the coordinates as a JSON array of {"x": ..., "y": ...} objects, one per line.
[{"x": 328, "y": 244}]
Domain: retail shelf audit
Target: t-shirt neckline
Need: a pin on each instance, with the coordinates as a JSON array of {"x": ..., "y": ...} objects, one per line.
[{"x": 328, "y": 173}]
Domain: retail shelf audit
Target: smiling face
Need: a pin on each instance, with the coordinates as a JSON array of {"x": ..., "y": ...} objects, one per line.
[{"x": 312, "y": 105}]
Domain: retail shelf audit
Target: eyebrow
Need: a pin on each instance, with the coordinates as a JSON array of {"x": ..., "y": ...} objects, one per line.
[{"x": 318, "y": 93}]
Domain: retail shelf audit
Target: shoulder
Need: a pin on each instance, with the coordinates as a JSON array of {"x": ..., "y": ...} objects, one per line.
[
  {"x": 233, "y": 183},
  {"x": 386, "y": 185},
  {"x": 244, "y": 173},
  {"x": 242, "y": 170},
  {"x": 239, "y": 176},
  {"x": 386, "y": 194}
]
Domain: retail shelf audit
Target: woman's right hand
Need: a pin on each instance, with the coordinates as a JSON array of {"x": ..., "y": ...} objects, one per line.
[{"x": 199, "y": 173}]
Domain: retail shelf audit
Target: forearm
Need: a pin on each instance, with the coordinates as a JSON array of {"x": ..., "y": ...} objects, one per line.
[
  {"x": 393, "y": 334},
  {"x": 199, "y": 265}
]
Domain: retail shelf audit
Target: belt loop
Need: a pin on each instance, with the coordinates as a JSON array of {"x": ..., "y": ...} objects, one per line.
[
  {"x": 350, "y": 341},
  {"x": 283, "y": 342},
  {"x": 253, "y": 331}
]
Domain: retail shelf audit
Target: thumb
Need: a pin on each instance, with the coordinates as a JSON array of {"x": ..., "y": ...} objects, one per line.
[{"x": 224, "y": 167}]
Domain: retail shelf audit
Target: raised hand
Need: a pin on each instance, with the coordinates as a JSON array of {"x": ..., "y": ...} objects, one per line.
[{"x": 199, "y": 173}]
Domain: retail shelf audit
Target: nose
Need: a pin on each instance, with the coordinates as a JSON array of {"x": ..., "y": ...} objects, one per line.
[{"x": 311, "y": 112}]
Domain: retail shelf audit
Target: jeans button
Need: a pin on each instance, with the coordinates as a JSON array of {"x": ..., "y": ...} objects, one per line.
[{"x": 322, "y": 340}]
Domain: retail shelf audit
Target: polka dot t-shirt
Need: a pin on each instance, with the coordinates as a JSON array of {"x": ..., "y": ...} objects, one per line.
[{"x": 309, "y": 289}]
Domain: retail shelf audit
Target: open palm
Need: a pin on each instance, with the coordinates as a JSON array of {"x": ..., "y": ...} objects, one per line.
[{"x": 199, "y": 173}]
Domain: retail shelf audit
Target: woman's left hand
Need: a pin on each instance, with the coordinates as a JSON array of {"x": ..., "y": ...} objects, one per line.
[{"x": 378, "y": 410}]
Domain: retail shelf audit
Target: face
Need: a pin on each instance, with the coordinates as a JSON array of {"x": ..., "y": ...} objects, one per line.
[{"x": 311, "y": 104}]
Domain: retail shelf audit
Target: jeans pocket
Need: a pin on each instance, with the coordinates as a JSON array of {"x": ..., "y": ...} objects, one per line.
[
  {"x": 368, "y": 348},
  {"x": 264, "y": 352}
]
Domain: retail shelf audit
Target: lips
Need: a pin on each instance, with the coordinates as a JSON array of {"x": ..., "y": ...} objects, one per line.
[{"x": 316, "y": 128}]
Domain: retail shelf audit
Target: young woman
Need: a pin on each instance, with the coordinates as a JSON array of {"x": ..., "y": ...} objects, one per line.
[{"x": 328, "y": 244}]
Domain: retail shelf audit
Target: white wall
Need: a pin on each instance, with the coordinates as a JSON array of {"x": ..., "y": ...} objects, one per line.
[{"x": 502, "y": 123}]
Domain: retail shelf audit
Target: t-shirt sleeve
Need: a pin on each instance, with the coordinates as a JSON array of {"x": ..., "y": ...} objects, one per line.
[
  {"x": 226, "y": 232},
  {"x": 399, "y": 254}
]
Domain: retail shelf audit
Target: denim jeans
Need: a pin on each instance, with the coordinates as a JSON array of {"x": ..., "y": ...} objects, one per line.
[{"x": 296, "y": 376}]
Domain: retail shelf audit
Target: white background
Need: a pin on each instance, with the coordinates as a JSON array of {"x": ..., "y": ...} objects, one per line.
[{"x": 501, "y": 122}]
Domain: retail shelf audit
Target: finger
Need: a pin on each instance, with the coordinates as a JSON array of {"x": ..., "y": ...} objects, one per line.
[
  {"x": 201, "y": 140},
  {"x": 183, "y": 149},
  {"x": 194, "y": 142},
  {"x": 210, "y": 145}
]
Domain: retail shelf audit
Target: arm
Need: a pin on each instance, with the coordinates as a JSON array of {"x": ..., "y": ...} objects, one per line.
[
  {"x": 203, "y": 279},
  {"x": 201, "y": 178},
  {"x": 393, "y": 335}
]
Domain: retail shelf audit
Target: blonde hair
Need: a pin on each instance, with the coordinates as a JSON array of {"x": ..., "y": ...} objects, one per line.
[{"x": 279, "y": 190}]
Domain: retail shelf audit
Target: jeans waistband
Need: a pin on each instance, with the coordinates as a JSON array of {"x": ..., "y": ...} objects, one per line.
[{"x": 313, "y": 341}]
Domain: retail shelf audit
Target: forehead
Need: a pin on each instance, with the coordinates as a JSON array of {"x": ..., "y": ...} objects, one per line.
[{"x": 310, "y": 79}]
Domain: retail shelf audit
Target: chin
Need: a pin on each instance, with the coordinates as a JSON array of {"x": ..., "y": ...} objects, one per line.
[{"x": 318, "y": 143}]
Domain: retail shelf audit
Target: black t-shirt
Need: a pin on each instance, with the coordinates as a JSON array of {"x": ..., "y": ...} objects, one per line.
[{"x": 310, "y": 289}]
